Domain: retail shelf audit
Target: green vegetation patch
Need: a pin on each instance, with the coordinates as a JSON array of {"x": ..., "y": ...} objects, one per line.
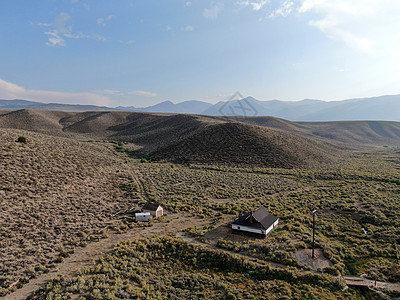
[
  {"x": 358, "y": 205},
  {"x": 169, "y": 268}
]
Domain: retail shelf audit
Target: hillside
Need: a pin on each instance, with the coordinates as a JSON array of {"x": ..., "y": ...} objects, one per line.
[
  {"x": 181, "y": 138},
  {"x": 350, "y": 133},
  {"x": 56, "y": 193},
  {"x": 240, "y": 144},
  {"x": 39, "y": 121},
  {"x": 155, "y": 130}
]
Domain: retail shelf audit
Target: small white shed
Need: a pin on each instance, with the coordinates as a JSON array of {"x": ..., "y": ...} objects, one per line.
[
  {"x": 154, "y": 209},
  {"x": 142, "y": 217}
]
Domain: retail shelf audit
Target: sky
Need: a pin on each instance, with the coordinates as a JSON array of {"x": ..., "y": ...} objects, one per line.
[{"x": 139, "y": 53}]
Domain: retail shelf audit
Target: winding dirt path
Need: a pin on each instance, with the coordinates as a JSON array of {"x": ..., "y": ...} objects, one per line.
[
  {"x": 372, "y": 284},
  {"x": 87, "y": 255}
]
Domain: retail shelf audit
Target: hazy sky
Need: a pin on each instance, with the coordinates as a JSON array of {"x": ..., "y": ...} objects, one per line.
[{"x": 141, "y": 52}]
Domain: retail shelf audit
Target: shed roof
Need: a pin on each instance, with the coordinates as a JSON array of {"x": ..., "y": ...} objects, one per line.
[
  {"x": 151, "y": 206},
  {"x": 262, "y": 219},
  {"x": 142, "y": 214}
]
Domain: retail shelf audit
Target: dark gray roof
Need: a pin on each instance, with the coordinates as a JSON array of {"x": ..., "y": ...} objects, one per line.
[
  {"x": 151, "y": 206},
  {"x": 262, "y": 219}
]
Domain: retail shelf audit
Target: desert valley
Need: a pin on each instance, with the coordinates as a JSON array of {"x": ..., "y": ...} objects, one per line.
[
  {"x": 73, "y": 181},
  {"x": 214, "y": 149}
]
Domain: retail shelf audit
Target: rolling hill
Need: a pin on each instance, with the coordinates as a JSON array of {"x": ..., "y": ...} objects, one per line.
[
  {"x": 349, "y": 133},
  {"x": 181, "y": 138},
  {"x": 241, "y": 144}
]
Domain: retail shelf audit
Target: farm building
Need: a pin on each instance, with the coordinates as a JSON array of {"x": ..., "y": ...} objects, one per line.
[
  {"x": 259, "y": 222},
  {"x": 142, "y": 217},
  {"x": 154, "y": 209}
]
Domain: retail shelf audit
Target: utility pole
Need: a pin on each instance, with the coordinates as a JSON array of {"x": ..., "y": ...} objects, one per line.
[{"x": 313, "y": 232}]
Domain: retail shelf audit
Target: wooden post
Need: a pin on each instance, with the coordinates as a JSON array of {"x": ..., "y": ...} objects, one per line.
[{"x": 313, "y": 233}]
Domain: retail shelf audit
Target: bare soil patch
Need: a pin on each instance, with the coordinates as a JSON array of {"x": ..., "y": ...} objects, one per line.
[
  {"x": 225, "y": 232},
  {"x": 304, "y": 256}
]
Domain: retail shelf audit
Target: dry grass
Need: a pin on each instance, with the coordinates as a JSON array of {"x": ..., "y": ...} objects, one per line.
[{"x": 54, "y": 194}]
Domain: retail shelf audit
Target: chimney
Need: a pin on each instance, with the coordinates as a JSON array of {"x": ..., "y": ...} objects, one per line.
[{"x": 251, "y": 220}]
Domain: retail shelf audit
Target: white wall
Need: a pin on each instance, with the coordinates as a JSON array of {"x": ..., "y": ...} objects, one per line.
[
  {"x": 248, "y": 229},
  {"x": 259, "y": 231},
  {"x": 159, "y": 212}
]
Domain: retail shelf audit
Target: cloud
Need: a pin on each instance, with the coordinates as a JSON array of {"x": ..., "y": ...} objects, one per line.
[
  {"x": 102, "y": 22},
  {"x": 284, "y": 10},
  {"x": 188, "y": 28},
  {"x": 187, "y": 3},
  {"x": 43, "y": 24},
  {"x": 80, "y": 35},
  {"x": 55, "y": 39},
  {"x": 59, "y": 31},
  {"x": 212, "y": 12},
  {"x": 143, "y": 93},
  {"x": 347, "y": 21},
  {"x": 110, "y": 92},
  {"x": 130, "y": 42},
  {"x": 394, "y": 53},
  {"x": 55, "y": 36},
  {"x": 10, "y": 90},
  {"x": 370, "y": 26},
  {"x": 255, "y": 5}
]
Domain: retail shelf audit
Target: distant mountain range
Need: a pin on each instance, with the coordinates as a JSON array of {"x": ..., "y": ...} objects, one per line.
[{"x": 384, "y": 108}]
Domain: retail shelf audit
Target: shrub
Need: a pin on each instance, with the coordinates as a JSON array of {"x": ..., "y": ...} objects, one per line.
[{"x": 21, "y": 139}]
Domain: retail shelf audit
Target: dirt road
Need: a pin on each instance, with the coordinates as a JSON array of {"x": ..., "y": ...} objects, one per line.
[{"x": 373, "y": 284}]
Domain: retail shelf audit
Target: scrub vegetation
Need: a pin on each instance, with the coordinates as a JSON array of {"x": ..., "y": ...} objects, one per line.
[
  {"x": 358, "y": 206},
  {"x": 169, "y": 268},
  {"x": 59, "y": 193}
]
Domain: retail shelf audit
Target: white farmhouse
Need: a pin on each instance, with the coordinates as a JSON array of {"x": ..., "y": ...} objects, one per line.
[{"x": 259, "y": 222}]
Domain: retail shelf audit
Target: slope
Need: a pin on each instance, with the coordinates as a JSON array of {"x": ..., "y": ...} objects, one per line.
[
  {"x": 55, "y": 193},
  {"x": 349, "y": 133},
  {"x": 241, "y": 144},
  {"x": 33, "y": 120}
]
